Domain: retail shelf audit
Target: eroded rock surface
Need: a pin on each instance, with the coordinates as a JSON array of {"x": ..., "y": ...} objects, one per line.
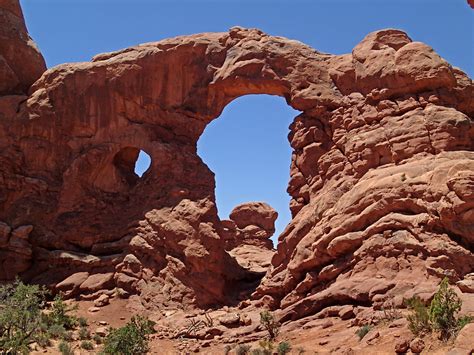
[
  {"x": 15, "y": 250},
  {"x": 251, "y": 223},
  {"x": 21, "y": 63},
  {"x": 382, "y": 169}
]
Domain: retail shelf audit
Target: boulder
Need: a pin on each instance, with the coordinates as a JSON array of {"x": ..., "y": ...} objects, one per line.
[
  {"x": 101, "y": 301},
  {"x": 417, "y": 345},
  {"x": 466, "y": 286},
  {"x": 96, "y": 282},
  {"x": 464, "y": 339},
  {"x": 71, "y": 284},
  {"x": 101, "y": 331},
  {"x": 402, "y": 346},
  {"x": 254, "y": 213},
  {"x": 230, "y": 320}
]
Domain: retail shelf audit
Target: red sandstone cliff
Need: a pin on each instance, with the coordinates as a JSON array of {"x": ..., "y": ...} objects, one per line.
[{"x": 382, "y": 173}]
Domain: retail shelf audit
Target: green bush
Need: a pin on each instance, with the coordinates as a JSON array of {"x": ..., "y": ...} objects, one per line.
[
  {"x": 68, "y": 336},
  {"x": 440, "y": 316},
  {"x": 82, "y": 322},
  {"x": 97, "y": 338},
  {"x": 65, "y": 348},
  {"x": 283, "y": 348},
  {"x": 20, "y": 317},
  {"x": 419, "y": 319},
  {"x": 443, "y": 309},
  {"x": 266, "y": 347},
  {"x": 57, "y": 331},
  {"x": 464, "y": 320},
  {"x": 130, "y": 339},
  {"x": 24, "y": 319},
  {"x": 59, "y": 314},
  {"x": 43, "y": 340},
  {"x": 84, "y": 333},
  {"x": 362, "y": 331},
  {"x": 87, "y": 345},
  {"x": 242, "y": 349},
  {"x": 267, "y": 320}
]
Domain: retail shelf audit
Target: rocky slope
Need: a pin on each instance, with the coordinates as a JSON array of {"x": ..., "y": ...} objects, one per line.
[{"x": 382, "y": 173}]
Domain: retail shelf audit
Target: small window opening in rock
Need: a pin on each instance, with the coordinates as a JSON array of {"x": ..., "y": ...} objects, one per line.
[
  {"x": 142, "y": 164},
  {"x": 132, "y": 163}
]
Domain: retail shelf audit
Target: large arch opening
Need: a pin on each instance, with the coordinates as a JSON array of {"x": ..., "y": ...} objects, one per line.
[{"x": 247, "y": 148}]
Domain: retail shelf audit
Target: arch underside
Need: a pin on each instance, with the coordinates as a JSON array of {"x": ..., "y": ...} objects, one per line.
[{"x": 381, "y": 174}]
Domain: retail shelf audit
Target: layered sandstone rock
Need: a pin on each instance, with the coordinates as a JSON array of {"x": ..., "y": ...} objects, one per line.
[
  {"x": 251, "y": 223},
  {"x": 381, "y": 175},
  {"x": 15, "y": 250},
  {"x": 21, "y": 63},
  {"x": 383, "y": 184},
  {"x": 247, "y": 238}
]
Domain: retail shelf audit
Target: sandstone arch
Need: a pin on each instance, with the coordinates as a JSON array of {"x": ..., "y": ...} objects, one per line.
[{"x": 381, "y": 170}]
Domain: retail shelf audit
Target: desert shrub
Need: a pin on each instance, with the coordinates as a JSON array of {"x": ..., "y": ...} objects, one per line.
[
  {"x": 194, "y": 325},
  {"x": 130, "y": 339},
  {"x": 390, "y": 313},
  {"x": 82, "y": 322},
  {"x": 68, "y": 336},
  {"x": 443, "y": 309},
  {"x": 24, "y": 318},
  {"x": 97, "y": 339},
  {"x": 419, "y": 318},
  {"x": 440, "y": 316},
  {"x": 362, "y": 331},
  {"x": 87, "y": 345},
  {"x": 60, "y": 314},
  {"x": 20, "y": 317},
  {"x": 57, "y": 331},
  {"x": 266, "y": 347},
  {"x": 65, "y": 348},
  {"x": 43, "y": 339},
  {"x": 84, "y": 333},
  {"x": 242, "y": 349},
  {"x": 464, "y": 320},
  {"x": 267, "y": 320},
  {"x": 283, "y": 348}
]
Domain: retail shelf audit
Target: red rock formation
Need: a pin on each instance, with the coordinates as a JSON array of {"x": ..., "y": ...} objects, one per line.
[
  {"x": 382, "y": 185},
  {"x": 20, "y": 60},
  {"x": 381, "y": 175},
  {"x": 246, "y": 236},
  {"x": 251, "y": 223}
]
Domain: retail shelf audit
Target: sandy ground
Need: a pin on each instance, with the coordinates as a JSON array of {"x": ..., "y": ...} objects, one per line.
[{"x": 308, "y": 336}]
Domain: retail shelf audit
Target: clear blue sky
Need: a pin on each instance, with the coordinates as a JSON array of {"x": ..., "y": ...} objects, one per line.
[{"x": 247, "y": 146}]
